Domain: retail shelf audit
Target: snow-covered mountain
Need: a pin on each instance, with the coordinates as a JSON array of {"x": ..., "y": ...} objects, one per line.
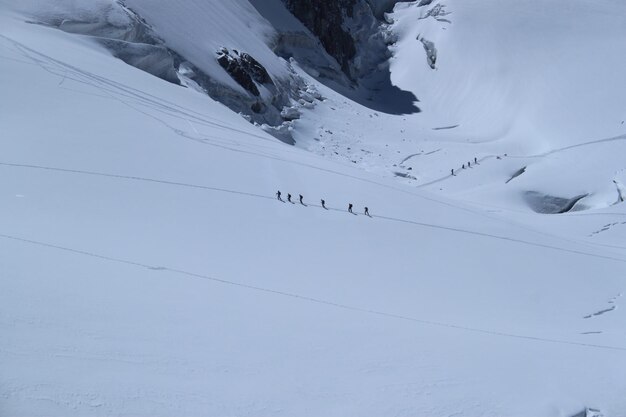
[{"x": 147, "y": 267}]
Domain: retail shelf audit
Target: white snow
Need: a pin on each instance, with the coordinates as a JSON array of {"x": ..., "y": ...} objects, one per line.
[
  {"x": 200, "y": 28},
  {"x": 538, "y": 75},
  {"x": 146, "y": 267}
]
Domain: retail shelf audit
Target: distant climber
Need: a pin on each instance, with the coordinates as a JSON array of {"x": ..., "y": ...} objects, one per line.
[
  {"x": 367, "y": 211},
  {"x": 301, "y": 202},
  {"x": 469, "y": 164},
  {"x": 463, "y": 166},
  {"x": 323, "y": 204},
  {"x": 278, "y": 195},
  {"x": 475, "y": 161},
  {"x": 289, "y": 198},
  {"x": 350, "y": 208},
  {"x": 452, "y": 171}
]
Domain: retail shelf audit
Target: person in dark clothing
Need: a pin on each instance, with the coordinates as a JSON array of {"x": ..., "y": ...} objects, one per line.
[
  {"x": 301, "y": 202},
  {"x": 324, "y": 204},
  {"x": 463, "y": 166},
  {"x": 469, "y": 164},
  {"x": 289, "y": 198},
  {"x": 475, "y": 161},
  {"x": 367, "y": 211},
  {"x": 278, "y": 195},
  {"x": 350, "y": 208},
  {"x": 452, "y": 171}
]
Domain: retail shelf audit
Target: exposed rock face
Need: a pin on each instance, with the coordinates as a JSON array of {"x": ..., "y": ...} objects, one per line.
[
  {"x": 345, "y": 42},
  {"x": 431, "y": 52},
  {"x": 380, "y": 7},
  {"x": 243, "y": 68},
  {"x": 349, "y": 31},
  {"x": 271, "y": 102},
  {"x": 325, "y": 19},
  {"x": 255, "y": 69}
]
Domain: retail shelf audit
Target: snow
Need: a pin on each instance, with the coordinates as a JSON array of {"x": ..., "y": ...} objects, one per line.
[
  {"x": 539, "y": 75},
  {"x": 517, "y": 81},
  {"x": 148, "y": 269},
  {"x": 199, "y": 29},
  {"x": 281, "y": 18},
  {"x": 196, "y": 31}
]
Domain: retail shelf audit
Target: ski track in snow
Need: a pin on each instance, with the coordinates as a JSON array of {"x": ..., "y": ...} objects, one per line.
[
  {"x": 121, "y": 92},
  {"x": 412, "y": 373},
  {"x": 114, "y": 90},
  {"x": 459, "y": 169},
  {"x": 129, "y": 177},
  {"x": 339, "y": 305},
  {"x": 267, "y": 197}
]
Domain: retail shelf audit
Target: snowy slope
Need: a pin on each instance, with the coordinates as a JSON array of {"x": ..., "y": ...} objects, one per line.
[
  {"x": 201, "y": 28},
  {"x": 541, "y": 85},
  {"x": 146, "y": 267},
  {"x": 538, "y": 76}
]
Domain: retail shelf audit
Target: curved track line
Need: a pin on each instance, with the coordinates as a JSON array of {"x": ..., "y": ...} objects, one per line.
[
  {"x": 509, "y": 239},
  {"x": 311, "y": 299},
  {"x": 539, "y": 155},
  {"x": 135, "y": 178},
  {"x": 266, "y": 197},
  {"x": 115, "y": 88},
  {"x": 156, "y": 103}
]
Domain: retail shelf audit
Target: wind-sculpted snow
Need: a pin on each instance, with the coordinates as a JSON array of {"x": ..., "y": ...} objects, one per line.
[
  {"x": 154, "y": 59},
  {"x": 513, "y": 102},
  {"x": 115, "y": 27},
  {"x": 549, "y": 204},
  {"x": 133, "y": 39}
]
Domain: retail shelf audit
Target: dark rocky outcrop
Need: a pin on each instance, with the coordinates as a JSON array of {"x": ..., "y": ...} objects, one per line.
[
  {"x": 431, "y": 52},
  {"x": 232, "y": 65},
  {"x": 255, "y": 69},
  {"x": 270, "y": 102},
  {"x": 380, "y": 7},
  {"x": 325, "y": 19},
  {"x": 244, "y": 69},
  {"x": 354, "y": 35}
]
